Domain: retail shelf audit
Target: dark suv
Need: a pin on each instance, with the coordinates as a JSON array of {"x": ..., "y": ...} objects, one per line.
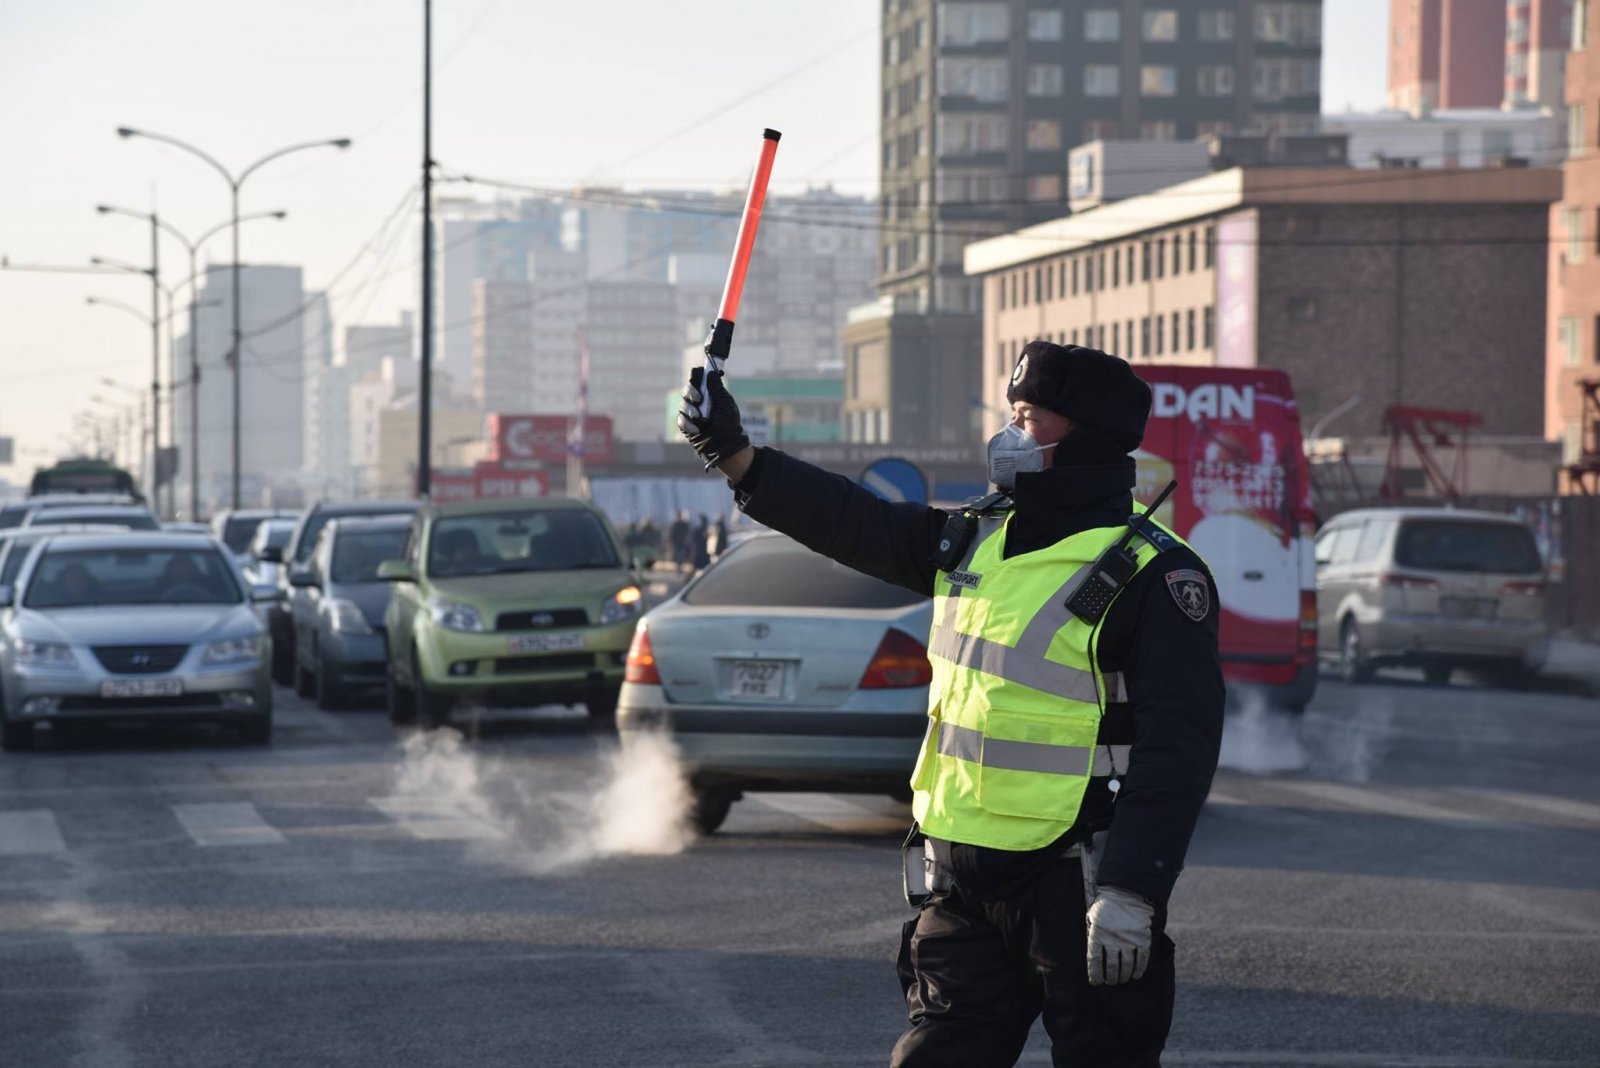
[{"x": 294, "y": 557}]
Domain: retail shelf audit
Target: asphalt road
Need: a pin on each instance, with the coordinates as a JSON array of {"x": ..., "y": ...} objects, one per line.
[{"x": 1408, "y": 878}]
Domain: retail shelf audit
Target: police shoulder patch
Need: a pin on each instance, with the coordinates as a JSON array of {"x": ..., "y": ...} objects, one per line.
[
  {"x": 1191, "y": 592},
  {"x": 1156, "y": 536}
]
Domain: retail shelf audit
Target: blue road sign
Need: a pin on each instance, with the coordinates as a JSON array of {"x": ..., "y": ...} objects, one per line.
[{"x": 895, "y": 479}]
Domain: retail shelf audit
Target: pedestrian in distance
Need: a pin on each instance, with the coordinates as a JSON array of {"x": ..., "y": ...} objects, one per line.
[
  {"x": 700, "y": 543},
  {"x": 678, "y": 538},
  {"x": 1075, "y": 714}
]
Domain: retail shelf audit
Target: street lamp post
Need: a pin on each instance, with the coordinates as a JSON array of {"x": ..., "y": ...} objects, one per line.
[
  {"x": 193, "y": 248},
  {"x": 154, "y": 322},
  {"x": 235, "y": 353}
]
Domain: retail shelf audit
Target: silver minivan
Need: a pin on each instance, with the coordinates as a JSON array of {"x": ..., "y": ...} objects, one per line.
[{"x": 1438, "y": 589}]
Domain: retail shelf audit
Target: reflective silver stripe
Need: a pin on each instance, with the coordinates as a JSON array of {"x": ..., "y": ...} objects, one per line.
[
  {"x": 965, "y": 743},
  {"x": 1013, "y": 665}
]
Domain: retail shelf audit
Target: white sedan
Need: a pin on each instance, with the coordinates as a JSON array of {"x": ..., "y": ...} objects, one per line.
[{"x": 778, "y": 669}]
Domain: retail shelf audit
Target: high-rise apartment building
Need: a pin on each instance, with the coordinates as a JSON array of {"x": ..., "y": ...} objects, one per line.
[
  {"x": 981, "y": 102},
  {"x": 1574, "y": 326},
  {"x": 1538, "y": 34},
  {"x": 1453, "y": 54}
]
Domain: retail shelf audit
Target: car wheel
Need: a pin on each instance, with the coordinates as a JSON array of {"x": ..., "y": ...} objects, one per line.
[
  {"x": 402, "y": 711},
  {"x": 257, "y": 730},
  {"x": 15, "y": 737},
  {"x": 1438, "y": 674},
  {"x": 1353, "y": 666},
  {"x": 433, "y": 710},
  {"x": 602, "y": 708},
  {"x": 710, "y": 807},
  {"x": 329, "y": 694}
]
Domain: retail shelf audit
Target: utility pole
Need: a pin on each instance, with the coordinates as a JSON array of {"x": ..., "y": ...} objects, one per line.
[
  {"x": 425, "y": 372},
  {"x": 155, "y": 365}
]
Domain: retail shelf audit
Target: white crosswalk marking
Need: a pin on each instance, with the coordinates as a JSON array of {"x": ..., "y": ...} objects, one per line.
[
  {"x": 30, "y": 831},
  {"x": 1581, "y": 811},
  {"x": 433, "y": 820},
  {"x": 226, "y": 823}
]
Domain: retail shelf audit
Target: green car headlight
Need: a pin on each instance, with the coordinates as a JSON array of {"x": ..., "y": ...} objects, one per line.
[
  {"x": 453, "y": 616},
  {"x": 626, "y": 603}
]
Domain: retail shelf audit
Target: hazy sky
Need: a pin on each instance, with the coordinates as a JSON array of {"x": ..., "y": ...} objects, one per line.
[{"x": 539, "y": 92}]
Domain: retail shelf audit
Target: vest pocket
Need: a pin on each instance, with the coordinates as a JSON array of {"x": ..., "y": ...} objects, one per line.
[
  {"x": 1035, "y": 764},
  {"x": 922, "y": 774}
]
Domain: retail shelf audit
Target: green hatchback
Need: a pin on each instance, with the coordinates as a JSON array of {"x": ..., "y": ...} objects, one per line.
[{"x": 508, "y": 603}]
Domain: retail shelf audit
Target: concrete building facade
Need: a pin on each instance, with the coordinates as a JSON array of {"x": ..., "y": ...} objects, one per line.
[
  {"x": 1574, "y": 314},
  {"x": 635, "y": 343},
  {"x": 1423, "y": 291}
]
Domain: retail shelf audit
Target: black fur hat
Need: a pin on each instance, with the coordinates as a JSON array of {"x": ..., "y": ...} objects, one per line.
[{"x": 1090, "y": 387}]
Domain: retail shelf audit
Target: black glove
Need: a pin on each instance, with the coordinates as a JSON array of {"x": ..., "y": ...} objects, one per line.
[{"x": 718, "y": 436}]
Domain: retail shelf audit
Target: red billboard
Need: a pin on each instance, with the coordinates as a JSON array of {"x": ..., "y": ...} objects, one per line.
[
  {"x": 523, "y": 440},
  {"x": 493, "y": 480}
]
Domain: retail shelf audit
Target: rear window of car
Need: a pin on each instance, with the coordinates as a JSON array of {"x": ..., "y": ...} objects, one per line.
[
  {"x": 1467, "y": 545},
  {"x": 357, "y": 553},
  {"x": 129, "y": 520},
  {"x": 237, "y": 532},
  {"x": 776, "y": 571}
]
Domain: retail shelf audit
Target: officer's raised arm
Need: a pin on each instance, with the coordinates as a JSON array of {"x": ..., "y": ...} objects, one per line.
[{"x": 825, "y": 512}]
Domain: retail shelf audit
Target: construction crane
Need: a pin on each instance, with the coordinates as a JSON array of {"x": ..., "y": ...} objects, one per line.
[{"x": 1427, "y": 430}]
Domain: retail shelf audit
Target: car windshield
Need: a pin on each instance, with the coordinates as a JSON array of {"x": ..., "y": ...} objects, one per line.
[
  {"x": 113, "y": 576},
  {"x": 12, "y": 556},
  {"x": 776, "y": 571},
  {"x": 1467, "y": 545},
  {"x": 315, "y": 521},
  {"x": 357, "y": 554},
  {"x": 237, "y": 532},
  {"x": 502, "y": 542}
]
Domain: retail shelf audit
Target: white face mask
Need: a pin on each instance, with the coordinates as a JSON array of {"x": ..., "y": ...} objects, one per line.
[{"x": 1014, "y": 451}]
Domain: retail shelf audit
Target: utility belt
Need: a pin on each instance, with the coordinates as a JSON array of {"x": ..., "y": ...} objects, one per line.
[{"x": 926, "y": 876}]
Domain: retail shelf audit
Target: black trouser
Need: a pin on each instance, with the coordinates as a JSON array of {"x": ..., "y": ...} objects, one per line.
[{"x": 978, "y": 973}]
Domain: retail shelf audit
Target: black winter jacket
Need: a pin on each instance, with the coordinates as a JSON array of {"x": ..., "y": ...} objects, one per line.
[{"x": 1174, "y": 713}]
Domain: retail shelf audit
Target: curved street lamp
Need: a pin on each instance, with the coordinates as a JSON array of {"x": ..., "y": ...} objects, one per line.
[
  {"x": 234, "y": 182},
  {"x": 193, "y": 248}
]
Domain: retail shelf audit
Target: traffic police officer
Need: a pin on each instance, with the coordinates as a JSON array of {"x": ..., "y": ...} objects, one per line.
[{"x": 1075, "y": 714}]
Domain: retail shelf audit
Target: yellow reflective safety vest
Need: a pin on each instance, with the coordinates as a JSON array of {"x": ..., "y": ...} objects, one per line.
[{"x": 1015, "y": 704}]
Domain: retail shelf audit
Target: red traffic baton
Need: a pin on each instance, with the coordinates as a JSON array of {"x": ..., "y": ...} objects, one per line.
[{"x": 720, "y": 339}]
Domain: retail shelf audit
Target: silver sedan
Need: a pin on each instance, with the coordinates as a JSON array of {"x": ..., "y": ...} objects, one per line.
[
  {"x": 132, "y": 627},
  {"x": 778, "y": 669}
]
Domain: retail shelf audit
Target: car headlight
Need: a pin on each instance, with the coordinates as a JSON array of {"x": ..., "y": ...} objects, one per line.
[
  {"x": 348, "y": 617},
  {"x": 232, "y": 651},
  {"x": 453, "y": 616},
  {"x": 45, "y": 655},
  {"x": 626, "y": 603}
]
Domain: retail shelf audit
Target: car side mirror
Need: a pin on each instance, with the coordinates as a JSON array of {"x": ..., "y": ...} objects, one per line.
[
  {"x": 265, "y": 593},
  {"x": 270, "y": 555},
  {"x": 396, "y": 571},
  {"x": 303, "y": 578}
]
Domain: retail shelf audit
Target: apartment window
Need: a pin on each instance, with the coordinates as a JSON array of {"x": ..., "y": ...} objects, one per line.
[
  {"x": 1045, "y": 25},
  {"x": 1597, "y": 231},
  {"x": 1011, "y": 280},
  {"x": 1043, "y": 134},
  {"x": 1292, "y": 22},
  {"x": 1192, "y": 250},
  {"x": 922, "y": 33},
  {"x": 1161, "y": 335},
  {"x": 1049, "y": 282},
  {"x": 1572, "y": 220},
  {"x": 1027, "y": 293},
  {"x": 1580, "y": 25},
  {"x": 1211, "y": 246},
  {"x": 973, "y": 23},
  {"x": 1188, "y": 329},
  {"x": 1102, "y": 79},
  {"x": 1215, "y": 80},
  {"x": 1213, "y": 128},
  {"x": 1061, "y": 279},
  {"x": 1177, "y": 337},
  {"x": 1116, "y": 269},
  {"x": 1216, "y": 25},
  {"x": 1000, "y": 294},
  {"x": 1100, "y": 271},
  {"x": 1160, "y": 25},
  {"x": 919, "y": 144},
  {"x": 1569, "y": 341},
  {"x": 1130, "y": 264},
  {"x": 983, "y": 79},
  {"x": 1144, "y": 260},
  {"x": 1280, "y": 79},
  {"x": 1100, "y": 130},
  {"x": 921, "y": 87},
  {"x": 1074, "y": 277},
  {"x": 1044, "y": 188},
  {"x": 1577, "y": 129},
  {"x": 965, "y": 132},
  {"x": 1177, "y": 255},
  {"x": 1158, "y": 130},
  {"x": 1102, "y": 24},
  {"x": 1161, "y": 257},
  {"x": 1210, "y": 327},
  {"x": 1158, "y": 80},
  {"x": 1040, "y": 292},
  {"x": 1045, "y": 79}
]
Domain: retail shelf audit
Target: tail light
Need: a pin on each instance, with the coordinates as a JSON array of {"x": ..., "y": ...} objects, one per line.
[
  {"x": 641, "y": 663},
  {"x": 1307, "y": 522},
  {"x": 1522, "y": 589},
  {"x": 1408, "y": 582},
  {"x": 901, "y": 661},
  {"x": 1308, "y": 626}
]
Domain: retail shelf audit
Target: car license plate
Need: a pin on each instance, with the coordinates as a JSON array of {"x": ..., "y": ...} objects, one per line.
[
  {"x": 141, "y": 688},
  {"x": 1468, "y": 607},
  {"x": 761, "y": 680},
  {"x": 546, "y": 643}
]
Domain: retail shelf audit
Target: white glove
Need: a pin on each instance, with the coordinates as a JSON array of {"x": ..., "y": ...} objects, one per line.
[{"x": 1119, "y": 937}]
